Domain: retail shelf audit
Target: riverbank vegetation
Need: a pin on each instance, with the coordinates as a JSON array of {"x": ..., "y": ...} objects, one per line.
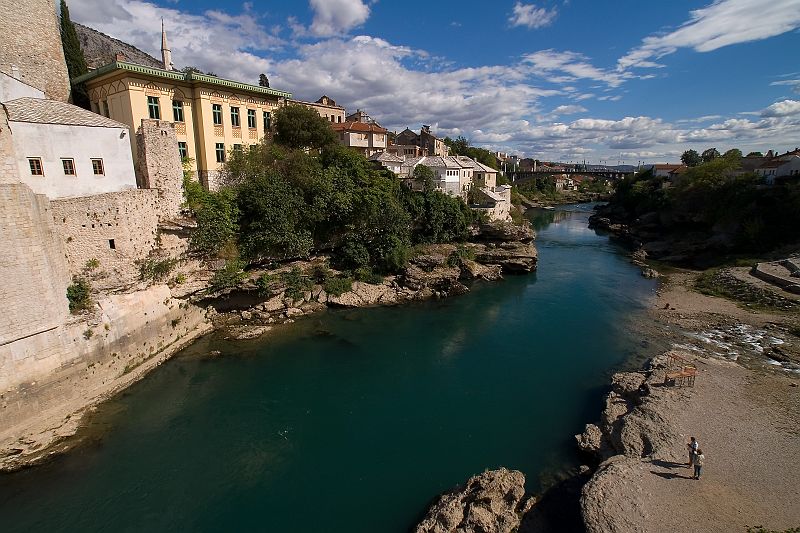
[
  {"x": 715, "y": 199},
  {"x": 302, "y": 193}
]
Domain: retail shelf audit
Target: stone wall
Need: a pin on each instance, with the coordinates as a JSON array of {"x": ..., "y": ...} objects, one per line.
[
  {"x": 116, "y": 229},
  {"x": 159, "y": 164},
  {"x": 34, "y": 270},
  {"x": 30, "y": 46},
  {"x": 8, "y": 166},
  {"x": 57, "y": 374}
]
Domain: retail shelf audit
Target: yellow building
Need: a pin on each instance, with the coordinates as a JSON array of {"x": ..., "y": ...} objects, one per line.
[{"x": 212, "y": 115}]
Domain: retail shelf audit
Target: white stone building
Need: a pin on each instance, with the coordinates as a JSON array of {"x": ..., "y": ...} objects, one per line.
[{"x": 63, "y": 151}]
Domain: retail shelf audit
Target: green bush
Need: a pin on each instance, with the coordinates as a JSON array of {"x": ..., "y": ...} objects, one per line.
[
  {"x": 229, "y": 276},
  {"x": 460, "y": 253},
  {"x": 266, "y": 283},
  {"x": 156, "y": 269},
  {"x": 338, "y": 286},
  {"x": 296, "y": 283},
  {"x": 79, "y": 295},
  {"x": 367, "y": 275}
]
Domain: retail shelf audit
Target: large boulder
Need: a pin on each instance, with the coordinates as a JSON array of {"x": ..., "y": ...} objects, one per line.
[
  {"x": 513, "y": 257},
  {"x": 507, "y": 231},
  {"x": 612, "y": 502},
  {"x": 492, "y": 502},
  {"x": 365, "y": 294}
]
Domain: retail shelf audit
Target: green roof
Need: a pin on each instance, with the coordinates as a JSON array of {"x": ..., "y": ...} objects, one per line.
[{"x": 188, "y": 77}]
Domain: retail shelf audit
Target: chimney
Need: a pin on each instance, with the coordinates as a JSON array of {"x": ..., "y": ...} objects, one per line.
[{"x": 120, "y": 57}]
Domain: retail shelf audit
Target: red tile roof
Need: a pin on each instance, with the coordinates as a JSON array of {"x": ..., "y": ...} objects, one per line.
[{"x": 358, "y": 126}]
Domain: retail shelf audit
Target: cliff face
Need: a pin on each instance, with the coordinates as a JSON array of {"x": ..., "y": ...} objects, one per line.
[{"x": 99, "y": 49}]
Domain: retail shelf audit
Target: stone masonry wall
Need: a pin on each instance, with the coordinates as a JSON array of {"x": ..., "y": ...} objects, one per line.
[
  {"x": 30, "y": 46},
  {"x": 8, "y": 164},
  {"x": 34, "y": 271},
  {"x": 117, "y": 229},
  {"x": 159, "y": 163}
]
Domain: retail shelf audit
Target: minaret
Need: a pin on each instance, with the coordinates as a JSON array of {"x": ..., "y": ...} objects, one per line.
[{"x": 166, "y": 55}]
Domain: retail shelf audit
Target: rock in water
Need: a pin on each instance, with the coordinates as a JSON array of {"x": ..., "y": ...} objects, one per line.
[{"x": 492, "y": 502}]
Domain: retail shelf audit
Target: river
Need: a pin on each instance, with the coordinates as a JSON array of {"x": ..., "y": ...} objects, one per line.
[{"x": 353, "y": 420}]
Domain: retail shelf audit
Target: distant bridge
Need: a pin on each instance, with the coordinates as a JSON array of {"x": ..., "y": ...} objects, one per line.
[{"x": 597, "y": 173}]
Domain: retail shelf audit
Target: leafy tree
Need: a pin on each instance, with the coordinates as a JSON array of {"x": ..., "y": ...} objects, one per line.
[
  {"x": 190, "y": 69},
  {"x": 73, "y": 55},
  {"x": 709, "y": 155},
  {"x": 755, "y": 154},
  {"x": 691, "y": 158},
  {"x": 217, "y": 224},
  {"x": 263, "y": 81},
  {"x": 733, "y": 153},
  {"x": 425, "y": 177},
  {"x": 271, "y": 214},
  {"x": 301, "y": 127}
]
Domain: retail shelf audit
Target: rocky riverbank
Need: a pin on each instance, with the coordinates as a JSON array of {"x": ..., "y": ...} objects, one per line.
[
  {"x": 743, "y": 408},
  {"x": 434, "y": 271}
]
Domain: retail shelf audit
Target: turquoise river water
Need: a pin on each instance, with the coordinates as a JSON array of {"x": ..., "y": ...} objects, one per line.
[{"x": 352, "y": 421}]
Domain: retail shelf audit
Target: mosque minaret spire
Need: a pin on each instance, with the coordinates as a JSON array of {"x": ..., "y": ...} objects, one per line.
[{"x": 166, "y": 55}]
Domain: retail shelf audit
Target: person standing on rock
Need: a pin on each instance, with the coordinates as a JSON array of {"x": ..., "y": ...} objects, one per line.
[
  {"x": 698, "y": 463},
  {"x": 693, "y": 446}
]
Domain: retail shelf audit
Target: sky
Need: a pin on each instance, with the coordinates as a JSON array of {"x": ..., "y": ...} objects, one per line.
[{"x": 569, "y": 80}]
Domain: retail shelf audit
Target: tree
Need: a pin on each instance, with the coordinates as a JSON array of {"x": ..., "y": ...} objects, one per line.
[
  {"x": 425, "y": 176},
  {"x": 733, "y": 153},
  {"x": 73, "y": 55},
  {"x": 691, "y": 158},
  {"x": 301, "y": 127},
  {"x": 709, "y": 155},
  {"x": 263, "y": 81},
  {"x": 755, "y": 154}
]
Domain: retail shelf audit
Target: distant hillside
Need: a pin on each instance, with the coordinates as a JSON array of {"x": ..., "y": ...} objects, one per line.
[{"x": 100, "y": 49}]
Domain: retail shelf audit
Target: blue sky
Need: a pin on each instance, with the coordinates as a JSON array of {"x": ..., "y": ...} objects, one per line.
[{"x": 569, "y": 80}]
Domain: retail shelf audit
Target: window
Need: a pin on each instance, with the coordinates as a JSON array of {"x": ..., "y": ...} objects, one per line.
[
  {"x": 182, "y": 150},
  {"x": 106, "y": 112},
  {"x": 216, "y": 113},
  {"x": 234, "y": 116},
  {"x": 152, "y": 107},
  {"x": 220, "y": 153},
  {"x": 251, "y": 119},
  {"x": 69, "y": 167},
  {"x": 111, "y": 244},
  {"x": 36, "y": 166},
  {"x": 339, "y": 119},
  {"x": 267, "y": 121},
  {"x": 97, "y": 167},
  {"x": 237, "y": 147},
  {"x": 177, "y": 111}
]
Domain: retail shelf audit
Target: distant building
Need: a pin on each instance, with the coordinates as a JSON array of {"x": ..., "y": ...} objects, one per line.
[
  {"x": 366, "y": 138},
  {"x": 361, "y": 116},
  {"x": 326, "y": 107},
  {"x": 425, "y": 140},
  {"x": 664, "y": 171},
  {"x": 388, "y": 161}
]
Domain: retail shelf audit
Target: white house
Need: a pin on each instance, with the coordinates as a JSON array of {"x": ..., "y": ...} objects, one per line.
[
  {"x": 388, "y": 161},
  {"x": 63, "y": 150}
]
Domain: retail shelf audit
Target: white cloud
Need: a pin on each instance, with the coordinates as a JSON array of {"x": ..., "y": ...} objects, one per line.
[
  {"x": 568, "y": 110},
  {"x": 335, "y": 17},
  {"x": 794, "y": 84},
  {"x": 723, "y": 23},
  {"x": 782, "y": 109},
  {"x": 232, "y": 38},
  {"x": 532, "y": 17},
  {"x": 573, "y": 64}
]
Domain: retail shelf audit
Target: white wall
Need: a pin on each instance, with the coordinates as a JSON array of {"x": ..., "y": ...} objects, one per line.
[
  {"x": 11, "y": 89},
  {"x": 52, "y": 142}
]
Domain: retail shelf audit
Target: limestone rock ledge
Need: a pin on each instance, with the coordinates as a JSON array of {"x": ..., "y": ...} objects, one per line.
[{"x": 492, "y": 502}]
